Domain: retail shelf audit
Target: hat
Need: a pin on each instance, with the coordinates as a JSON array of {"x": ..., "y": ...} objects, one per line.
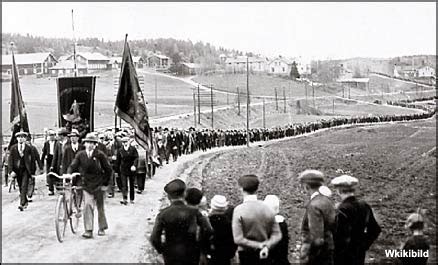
[
  {"x": 311, "y": 176},
  {"x": 414, "y": 220},
  {"x": 125, "y": 139},
  {"x": 21, "y": 133},
  {"x": 273, "y": 202},
  {"x": 249, "y": 183},
  {"x": 344, "y": 181},
  {"x": 175, "y": 188},
  {"x": 101, "y": 135},
  {"x": 218, "y": 203},
  {"x": 51, "y": 132},
  {"x": 74, "y": 132},
  {"x": 63, "y": 131},
  {"x": 91, "y": 137},
  {"x": 194, "y": 196}
]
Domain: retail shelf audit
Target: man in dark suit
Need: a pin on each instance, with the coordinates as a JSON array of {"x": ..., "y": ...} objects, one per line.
[
  {"x": 172, "y": 146},
  {"x": 179, "y": 223},
  {"x": 357, "y": 228},
  {"x": 48, "y": 152},
  {"x": 95, "y": 172},
  {"x": 21, "y": 165},
  {"x": 318, "y": 223},
  {"x": 37, "y": 163},
  {"x": 56, "y": 165},
  {"x": 126, "y": 166}
]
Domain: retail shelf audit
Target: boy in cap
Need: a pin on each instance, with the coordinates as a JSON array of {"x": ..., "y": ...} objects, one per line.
[
  {"x": 254, "y": 228},
  {"x": 417, "y": 241},
  {"x": 179, "y": 224},
  {"x": 357, "y": 228},
  {"x": 95, "y": 173},
  {"x": 318, "y": 223}
]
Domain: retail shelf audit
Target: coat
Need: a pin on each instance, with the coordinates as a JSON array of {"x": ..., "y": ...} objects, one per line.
[
  {"x": 317, "y": 229},
  {"x": 95, "y": 171},
  {"x": 126, "y": 159},
  {"x": 14, "y": 158},
  {"x": 356, "y": 230},
  {"x": 46, "y": 150},
  {"x": 68, "y": 156},
  {"x": 179, "y": 224},
  {"x": 57, "y": 157}
]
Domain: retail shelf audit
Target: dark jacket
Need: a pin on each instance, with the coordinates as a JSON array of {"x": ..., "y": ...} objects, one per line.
[
  {"x": 179, "y": 224},
  {"x": 317, "y": 231},
  {"x": 14, "y": 158},
  {"x": 46, "y": 150},
  {"x": 356, "y": 230},
  {"x": 95, "y": 171},
  {"x": 57, "y": 157},
  {"x": 68, "y": 156},
  {"x": 279, "y": 253},
  {"x": 126, "y": 159},
  {"x": 223, "y": 242},
  {"x": 36, "y": 155}
]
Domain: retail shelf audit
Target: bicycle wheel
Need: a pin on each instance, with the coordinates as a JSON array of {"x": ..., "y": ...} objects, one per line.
[
  {"x": 74, "y": 212},
  {"x": 60, "y": 218}
]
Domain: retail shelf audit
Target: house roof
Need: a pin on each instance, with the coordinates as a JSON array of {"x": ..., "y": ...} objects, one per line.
[
  {"x": 285, "y": 60},
  {"x": 159, "y": 56},
  {"x": 242, "y": 59},
  {"x": 135, "y": 59},
  {"x": 192, "y": 65},
  {"x": 68, "y": 64},
  {"x": 94, "y": 56},
  {"x": 26, "y": 58}
]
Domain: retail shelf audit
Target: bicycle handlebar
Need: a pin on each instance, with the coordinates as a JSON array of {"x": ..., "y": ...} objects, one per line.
[{"x": 65, "y": 176}]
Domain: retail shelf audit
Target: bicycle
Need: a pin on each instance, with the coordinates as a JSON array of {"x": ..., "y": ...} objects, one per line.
[{"x": 67, "y": 205}]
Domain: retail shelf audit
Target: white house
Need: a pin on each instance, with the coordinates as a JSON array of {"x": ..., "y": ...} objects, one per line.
[
  {"x": 238, "y": 64},
  {"x": 29, "y": 63},
  {"x": 280, "y": 66},
  {"x": 93, "y": 60},
  {"x": 425, "y": 71}
]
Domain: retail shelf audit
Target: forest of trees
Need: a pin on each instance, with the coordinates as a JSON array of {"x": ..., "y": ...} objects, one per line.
[{"x": 177, "y": 50}]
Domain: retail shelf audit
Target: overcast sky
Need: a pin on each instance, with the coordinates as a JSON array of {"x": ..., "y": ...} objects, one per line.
[{"x": 311, "y": 30}]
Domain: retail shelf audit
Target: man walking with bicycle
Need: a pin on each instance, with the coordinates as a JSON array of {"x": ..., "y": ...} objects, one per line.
[{"x": 95, "y": 173}]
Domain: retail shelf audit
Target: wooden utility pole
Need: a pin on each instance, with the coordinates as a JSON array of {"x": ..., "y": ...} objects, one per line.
[
  {"x": 276, "y": 100},
  {"x": 305, "y": 88},
  {"x": 313, "y": 95},
  {"x": 247, "y": 101},
  {"x": 264, "y": 121},
  {"x": 211, "y": 101},
  {"x": 194, "y": 109},
  {"x": 199, "y": 106},
  {"x": 156, "y": 93},
  {"x": 284, "y": 99},
  {"x": 238, "y": 101}
]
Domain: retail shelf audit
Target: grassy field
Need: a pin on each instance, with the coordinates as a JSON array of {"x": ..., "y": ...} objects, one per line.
[{"x": 395, "y": 164}]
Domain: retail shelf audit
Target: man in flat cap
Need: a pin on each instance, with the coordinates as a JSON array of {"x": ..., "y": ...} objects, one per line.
[
  {"x": 95, "y": 173},
  {"x": 126, "y": 165},
  {"x": 356, "y": 228},
  {"x": 318, "y": 223},
  {"x": 254, "y": 228},
  {"x": 21, "y": 165},
  {"x": 179, "y": 224},
  {"x": 48, "y": 153},
  {"x": 56, "y": 165}
]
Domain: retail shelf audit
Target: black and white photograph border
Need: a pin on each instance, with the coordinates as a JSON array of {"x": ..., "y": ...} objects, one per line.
[{"x": 290, "y": 125}]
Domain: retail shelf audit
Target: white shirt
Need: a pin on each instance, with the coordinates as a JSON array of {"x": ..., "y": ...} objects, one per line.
[
  {"x": 250, "y": 198},
  {"x": 52, "y": 147},
  {"x": 89, "y": 153},
  {"x": 314, "y": 194},
  {"x": 21, "y": 148},
  {"x": 75, "y": 147}
]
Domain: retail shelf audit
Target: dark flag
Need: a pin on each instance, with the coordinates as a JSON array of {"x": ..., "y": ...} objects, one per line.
[
  {"x": 18, "y": 116},
  {"x": 130, "y": 104},
  {"x": 76, "y": 103}
]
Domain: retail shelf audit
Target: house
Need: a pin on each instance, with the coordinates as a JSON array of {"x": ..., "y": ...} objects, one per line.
[
  {"x": 190, "y": 68},
  {"x": 238, "y": 64},
  {"x": 66, "y": 68},
  {"x": 361, "y": 83},
  {"x": 280, "y": 66},
  {"x": 222, "y": 58},
  {"x": 93, "y": 60},
  {"x": 404, "y": 71},
  {"x": 29, "y": 63},
  {"x": 158, "y": 61},
  {"x": 425, "y": 71},
  {"x": 116, "y": 62}
]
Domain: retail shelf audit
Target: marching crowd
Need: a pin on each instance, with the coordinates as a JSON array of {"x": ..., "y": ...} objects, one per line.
[{"x": 187, "y": 232}]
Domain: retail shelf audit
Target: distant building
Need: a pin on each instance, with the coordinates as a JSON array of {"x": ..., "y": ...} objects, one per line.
[
  {"x": 66, "y": 68},
  {"x": 158, "y": 61},
  {"x": 116, "y": 62},
  {"x": 29, "y": 63},
  {"x": 280, "y": 66},
  {"x": 93, "y": 60},
  {"x": 238, "y": 64},
  {"x": 425, "y": 71},
  {"x": 190, "y": 68},
  {"x": 361, "y": 83},
  {"x": 222, "y": 58}
]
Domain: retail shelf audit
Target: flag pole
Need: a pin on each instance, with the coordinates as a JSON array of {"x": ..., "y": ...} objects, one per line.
[{"x": 75, "y": 70}]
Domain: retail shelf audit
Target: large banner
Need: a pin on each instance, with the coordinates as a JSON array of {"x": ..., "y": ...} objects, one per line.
[{"x": 76, "y": 103}]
